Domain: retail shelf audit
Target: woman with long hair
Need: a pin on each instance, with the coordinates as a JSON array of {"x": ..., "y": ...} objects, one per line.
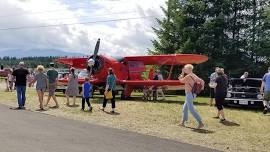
[
  {"x": 110, "y": 86},
  {"x": 73, "y": 87}
]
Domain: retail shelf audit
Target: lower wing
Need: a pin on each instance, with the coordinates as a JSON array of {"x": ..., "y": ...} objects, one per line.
[{"x": 152, "y": 82}]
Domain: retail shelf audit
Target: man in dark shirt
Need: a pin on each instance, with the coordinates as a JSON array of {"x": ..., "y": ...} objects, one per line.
[{"x": 21, "y": 77}]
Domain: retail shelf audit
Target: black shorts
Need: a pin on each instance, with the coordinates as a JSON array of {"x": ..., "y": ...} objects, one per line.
[
  {"x": 220, "y": 100},
  {"x": 212, "y": 93}
]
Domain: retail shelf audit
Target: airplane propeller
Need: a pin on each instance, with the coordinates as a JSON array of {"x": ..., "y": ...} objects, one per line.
[
  {"x": 91, "y": 61},
  {"x": 96, "y": 49}
]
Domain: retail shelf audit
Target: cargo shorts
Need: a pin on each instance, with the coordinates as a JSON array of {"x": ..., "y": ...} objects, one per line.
[{"x": 52, "y": 88}]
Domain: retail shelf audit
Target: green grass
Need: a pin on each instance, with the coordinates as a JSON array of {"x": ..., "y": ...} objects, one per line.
[{"x": 248, "y": 130}]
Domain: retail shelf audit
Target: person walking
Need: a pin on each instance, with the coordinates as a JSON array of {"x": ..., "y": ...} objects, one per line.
[
  {"x": 265, "y": 90},
  {"x": 73, "y": 87},
  {"x": 188, "y": 78},
  {"x": 110, "y": 86},
  {"x": 21, "y": 77},
  {"x": 52, "y": 75},
  {"x": 212, "y": 86},
  {"x": 221, "y": 93},
  {"x": 41, "y": 85},
  {"x": 10, "y": 80},
  {"x": 86, "y": 89}
]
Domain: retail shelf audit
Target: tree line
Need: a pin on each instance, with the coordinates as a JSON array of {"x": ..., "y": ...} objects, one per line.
[
  {"x": 234, "y": 34},
  {"x": 30, "y": 62}
]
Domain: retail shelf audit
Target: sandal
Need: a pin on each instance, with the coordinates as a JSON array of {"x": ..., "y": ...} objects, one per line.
[
  {"x": 182, "y": 125},
  {"x": 41, "y": 109}
]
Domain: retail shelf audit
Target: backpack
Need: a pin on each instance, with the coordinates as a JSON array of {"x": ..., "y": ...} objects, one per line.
[{"x": 197, "y": 88}]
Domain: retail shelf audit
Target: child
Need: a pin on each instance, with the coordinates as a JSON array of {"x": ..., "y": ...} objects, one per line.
[{"x": 86, "y": 90}]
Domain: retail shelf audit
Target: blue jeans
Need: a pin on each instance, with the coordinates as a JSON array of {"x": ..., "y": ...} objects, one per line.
[
  {"x": 189, "y": 106},
  {"x": 21, "y": 95}
]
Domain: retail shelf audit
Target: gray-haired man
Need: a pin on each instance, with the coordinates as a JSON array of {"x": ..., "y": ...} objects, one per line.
[{"x": 21, "y": 77}]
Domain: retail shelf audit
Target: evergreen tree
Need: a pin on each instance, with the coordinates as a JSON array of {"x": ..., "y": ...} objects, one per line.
[
  {"x": 168, "y": 41},
  {"x": 233, "y": 33}
]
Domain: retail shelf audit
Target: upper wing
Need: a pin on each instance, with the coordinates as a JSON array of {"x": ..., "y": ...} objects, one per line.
[
  {"x": 79, "y": 63},
  {"x": 170, "y": 59}
]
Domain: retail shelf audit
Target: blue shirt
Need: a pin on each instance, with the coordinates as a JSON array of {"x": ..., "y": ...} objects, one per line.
[
  {"x": 266, "y": 79},
  {"x": 87, "y": 87},
  {"x": 111, "y": 81}
]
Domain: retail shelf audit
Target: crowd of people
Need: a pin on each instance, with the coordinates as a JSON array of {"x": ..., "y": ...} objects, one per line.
[
  {"x": 218, "y": 92},
  {"x": 219, "y": 86},
  {"x": 47, "y": 81},
  {"x": 193, "y": 85}
]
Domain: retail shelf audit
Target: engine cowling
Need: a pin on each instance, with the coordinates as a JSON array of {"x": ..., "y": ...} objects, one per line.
[{"x": 96, "y": 65}]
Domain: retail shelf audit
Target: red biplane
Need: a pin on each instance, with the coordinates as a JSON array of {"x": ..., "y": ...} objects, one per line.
[{"x": 128, "y": 70}]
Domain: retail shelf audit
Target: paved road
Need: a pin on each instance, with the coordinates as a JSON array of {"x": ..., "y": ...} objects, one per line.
[{"x": 26, "y": 131}]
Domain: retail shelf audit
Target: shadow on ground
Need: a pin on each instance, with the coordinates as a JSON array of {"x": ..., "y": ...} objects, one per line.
[
  {"x": 110, "y": 113},
  {"x": 139, "y": 99},
  {"x": 230, "y": 123},
  {"x": 202, "y": 131}
]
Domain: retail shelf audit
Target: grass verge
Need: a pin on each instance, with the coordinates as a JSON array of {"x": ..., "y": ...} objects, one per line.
[{"x": 247, "y": 130}]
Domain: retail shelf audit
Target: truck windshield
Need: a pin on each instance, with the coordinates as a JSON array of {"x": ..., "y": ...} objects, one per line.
[{"x": 83, "y": 74}]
